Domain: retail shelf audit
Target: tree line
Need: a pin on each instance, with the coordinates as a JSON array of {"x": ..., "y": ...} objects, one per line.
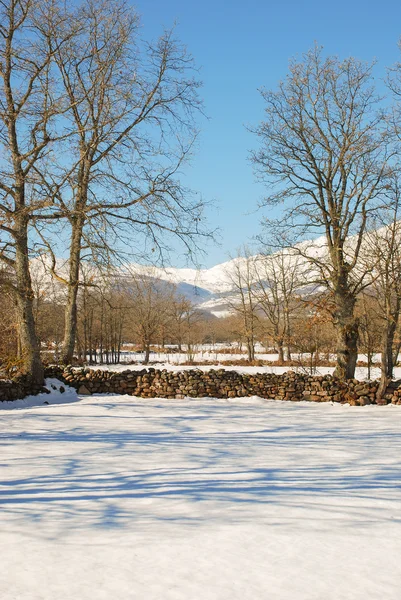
[
  {"x": 281, "y": 297},
  {"x": 269, "y": 303}
]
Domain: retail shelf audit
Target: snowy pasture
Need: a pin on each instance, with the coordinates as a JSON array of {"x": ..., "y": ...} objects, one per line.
[
  {"x": 361, "y": 373},
  {"x": 215, "y": 359},
  {"x": 118, "y": 497}
]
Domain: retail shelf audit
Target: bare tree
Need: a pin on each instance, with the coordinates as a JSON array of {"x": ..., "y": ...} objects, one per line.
[
  {"x": 29, "y": 104},
  {"x": 241, "y": 297},
  {"x": 277, "y": 282},
  {"x": 312, "y": 334},
  {"x": 324, "y": 155},
  {"x": 181, "y": 310},
  {"x": 193, "y": 331},
  {"x": 151, "y": 299}
]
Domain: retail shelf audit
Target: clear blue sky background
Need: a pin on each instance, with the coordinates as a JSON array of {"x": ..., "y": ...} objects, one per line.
[{"x": 240, "y": 47}]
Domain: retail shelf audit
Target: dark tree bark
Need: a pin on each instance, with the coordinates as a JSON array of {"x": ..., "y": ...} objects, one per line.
[
  {"x": 71, "y": 306},
  {"x": 29, "y": 343},
  {"x": 346, "y": 324}
]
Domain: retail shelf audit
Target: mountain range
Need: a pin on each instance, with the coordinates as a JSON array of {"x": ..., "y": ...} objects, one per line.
[{"x": 210, "y": 290}]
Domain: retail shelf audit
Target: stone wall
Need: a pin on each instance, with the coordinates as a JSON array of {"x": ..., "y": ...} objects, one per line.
[
  {"x": 152, "y": 383},
  {"x": 17, "y": 388}
]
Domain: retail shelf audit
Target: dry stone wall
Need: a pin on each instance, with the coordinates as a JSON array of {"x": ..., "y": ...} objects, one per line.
[
  {"x": 291, "y": 386},
  {"x": 18, "y": 388},
  {"x": 219, "y": 383}
]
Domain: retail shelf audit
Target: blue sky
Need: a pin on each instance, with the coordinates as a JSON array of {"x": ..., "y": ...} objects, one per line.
[{"x": 240, "y": 47}]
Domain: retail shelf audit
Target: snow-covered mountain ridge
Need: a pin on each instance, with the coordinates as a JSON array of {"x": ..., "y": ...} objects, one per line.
[
  {"x": 214, "y": 280},
  {"x": 207, "y": 288}
]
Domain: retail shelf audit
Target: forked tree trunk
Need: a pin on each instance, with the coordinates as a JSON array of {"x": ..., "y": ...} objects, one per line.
[
  {"x": 347, "y": 337},
  {"x": 29, "y": 343}
]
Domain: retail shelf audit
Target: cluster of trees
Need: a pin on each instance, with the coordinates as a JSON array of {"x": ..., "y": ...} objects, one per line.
[
  {"x": 123, "y": 311},
  {"x": 95, "y": 125},
  {"x": 131, "y": 311}
]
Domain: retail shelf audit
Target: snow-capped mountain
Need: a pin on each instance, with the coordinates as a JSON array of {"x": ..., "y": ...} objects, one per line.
[
  {"x": 208, "y": 289},
  {"x": 212, "y": 290},
  {"x": 216, "y": 280}
]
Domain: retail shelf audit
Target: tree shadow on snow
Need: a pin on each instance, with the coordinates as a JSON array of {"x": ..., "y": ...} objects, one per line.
[{"x": 105, "y": 472}]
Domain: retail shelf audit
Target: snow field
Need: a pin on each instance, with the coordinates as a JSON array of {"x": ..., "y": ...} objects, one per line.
[
  {"x": 360, "y": 372},
  {"x": 119, "y": 497}
]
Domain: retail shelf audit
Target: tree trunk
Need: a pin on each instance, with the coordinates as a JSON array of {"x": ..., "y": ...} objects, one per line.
[
  {"x": 347, "y": 337},
  {"x": 280, "y": 349},
  {"x": 101, "y": 330},
  {"x": 288, "y": 333},
  {"x": 251, "y": 349},
  {"x": 370, "y": 362},
  {"x": 70, "y": 322},
  {"x": 396, "y": 353},
  {"x": 147, "y": 354},
  {"x": 386, "y": 359},
  {"x": 389, "y": 348},
  {"x": 30, "y": 348}
]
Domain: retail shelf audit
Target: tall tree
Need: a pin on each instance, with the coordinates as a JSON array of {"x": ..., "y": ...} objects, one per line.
[
  {"x": 180, "y": 313},
  {"x": 29, "y": 104},
  {"x": 324, "y": 155}
]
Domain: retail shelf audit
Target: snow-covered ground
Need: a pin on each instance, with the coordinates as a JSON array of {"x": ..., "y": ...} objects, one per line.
[
  {"x": 119, "y": 497},
  {"x": 361, "y": 373}
]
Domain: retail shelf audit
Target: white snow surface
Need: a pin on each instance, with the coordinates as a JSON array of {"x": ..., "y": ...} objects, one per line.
[
  {"x": 119, "y": 497},
  {"x": 173, "y": 362}
]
